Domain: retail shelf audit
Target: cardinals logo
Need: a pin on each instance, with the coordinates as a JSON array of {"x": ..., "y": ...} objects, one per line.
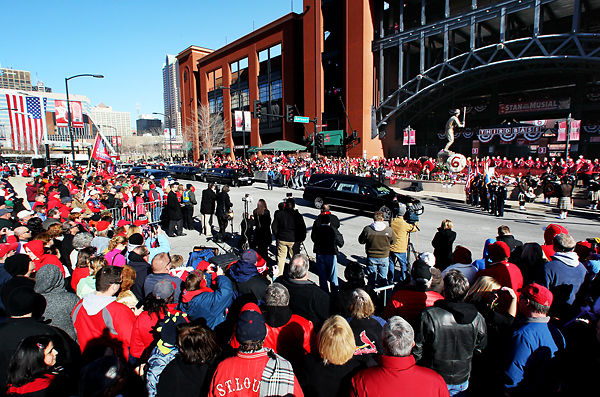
[{"x": 367, "y": 346}]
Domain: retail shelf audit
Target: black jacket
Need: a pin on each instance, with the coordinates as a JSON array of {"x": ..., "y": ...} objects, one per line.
[
  {"x": 333, "y": 221},
  {"x": 208, "y": 201},
  {"x": 327, "y": 380},
  {"x": 442, "y": 247},
  {"x": 307, "y": 300},
  {"x": 326, "y": 240},
  {"x": 173, "y": 207},
  {"x": 182, "y": 379},
  {"x": 288, "y": 225},
  {"x": 511, "y": 241},
  {"x": 223, "y": 204},
  {"x": 447, "y": 336},
  {"x": 142, "y": 269},
  {"x": 255, "y": 286}
]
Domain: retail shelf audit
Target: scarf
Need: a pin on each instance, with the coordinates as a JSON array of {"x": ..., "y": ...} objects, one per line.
[{"x": 277, "y": 377}]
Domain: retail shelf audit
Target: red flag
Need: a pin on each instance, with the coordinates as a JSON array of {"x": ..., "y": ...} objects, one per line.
[{"x": 100, "y": 152}]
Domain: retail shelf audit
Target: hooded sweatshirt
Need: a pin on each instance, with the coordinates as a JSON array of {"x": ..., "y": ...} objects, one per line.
[
  {"x": 102, "y": 320},
  {"x": 480, "y": 264},
  {"x": 50, "y": 283},
  {"x": 563, "y": 275},
  {"x": 378, "y": 237}
]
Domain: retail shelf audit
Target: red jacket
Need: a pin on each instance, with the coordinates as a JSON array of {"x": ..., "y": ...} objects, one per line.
[
  {"x": 143, "y": 333},
  {"x": 506, "y": 273},
  {"x": 410, "y": 303},
  {"x": 78, "y": 274},
  {"x": 398, "y": 376},
  {"x": 101, "y": 320},
  {"x": 241, "y": 375}
]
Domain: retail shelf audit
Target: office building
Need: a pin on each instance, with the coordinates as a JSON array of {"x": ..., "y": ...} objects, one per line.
[
  {"x": 172, "y": 101},
  {"x": 149, "y": 124},
  {"x": 15, "y": 79},
  {"x": 110, "y": 122},
  {"x": 372, "y": 68}
]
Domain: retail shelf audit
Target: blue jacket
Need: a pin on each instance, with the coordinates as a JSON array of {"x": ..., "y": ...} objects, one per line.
[
  {"x": 211, "y": 306},
  {"x": 533, "y": 347}
]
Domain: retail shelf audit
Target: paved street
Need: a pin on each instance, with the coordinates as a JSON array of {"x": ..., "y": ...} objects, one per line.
[{"x": 471, "y": 224}]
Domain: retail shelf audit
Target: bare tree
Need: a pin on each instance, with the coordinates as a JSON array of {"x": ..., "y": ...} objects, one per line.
[{"x": 210, "y": 128}]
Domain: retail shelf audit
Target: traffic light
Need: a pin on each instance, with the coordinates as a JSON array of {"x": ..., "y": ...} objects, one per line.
[
  {"x": 320, "y": 141},
  {"x": 257, "y": 109},
  {"x": 289, "y": 113}
]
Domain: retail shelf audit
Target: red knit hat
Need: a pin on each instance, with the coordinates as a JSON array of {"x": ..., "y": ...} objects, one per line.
[{"x": 498, "y": 251}]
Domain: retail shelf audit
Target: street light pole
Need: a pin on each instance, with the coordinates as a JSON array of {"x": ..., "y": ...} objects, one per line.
[
  {"x": 168, "y": 129},
  {"x": 70, "y": 117}
]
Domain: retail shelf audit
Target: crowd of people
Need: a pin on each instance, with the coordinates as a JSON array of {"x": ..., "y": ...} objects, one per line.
[{"x": 95, "y": 306}]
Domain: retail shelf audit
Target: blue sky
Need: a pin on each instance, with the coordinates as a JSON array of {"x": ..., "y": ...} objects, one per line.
[{"x": 125, "y": 40}]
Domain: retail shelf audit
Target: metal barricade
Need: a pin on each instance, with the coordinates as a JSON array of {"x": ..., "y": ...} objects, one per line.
[{"x": 153, "y": 210}]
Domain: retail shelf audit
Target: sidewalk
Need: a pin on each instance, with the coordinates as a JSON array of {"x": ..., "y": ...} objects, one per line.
[{"x": 536, "y": 207}]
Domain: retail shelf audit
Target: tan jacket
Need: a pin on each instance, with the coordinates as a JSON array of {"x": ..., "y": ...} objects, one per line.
[{"x": 401, "y": 230}]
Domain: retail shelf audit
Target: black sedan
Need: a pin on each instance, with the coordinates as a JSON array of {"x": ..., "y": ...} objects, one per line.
[{"x": 357, "y": 193}]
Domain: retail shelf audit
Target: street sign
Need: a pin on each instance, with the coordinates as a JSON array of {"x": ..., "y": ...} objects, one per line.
[{"x": 301, "y": 119}]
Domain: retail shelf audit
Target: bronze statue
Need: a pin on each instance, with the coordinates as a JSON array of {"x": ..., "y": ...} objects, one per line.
[{"x": 452, "y": 122}]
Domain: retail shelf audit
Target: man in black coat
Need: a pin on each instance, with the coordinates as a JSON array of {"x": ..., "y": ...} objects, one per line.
[
  {"x": 334, "y": 221},
  {"x": 326, "y": 241},
  {"x": 506, "y": 236},
  {"x": 290, "y": 231},
  {"x": 306, "y": 298},
  {"x": 224, "y": 206},
  {"x": 138, "y": 260},
  {"x": 174, "y": 212},
  {"x": 207, "y": 208}
]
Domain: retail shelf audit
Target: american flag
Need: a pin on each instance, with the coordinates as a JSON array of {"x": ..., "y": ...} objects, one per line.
[{"x": 27, "y": 116}]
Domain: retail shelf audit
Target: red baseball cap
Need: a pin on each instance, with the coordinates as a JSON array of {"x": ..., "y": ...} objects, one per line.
[
  {"x": 123, "y": 222},
  {"x": 102, "y": 225},
  {"x": 537, "y": 293}
]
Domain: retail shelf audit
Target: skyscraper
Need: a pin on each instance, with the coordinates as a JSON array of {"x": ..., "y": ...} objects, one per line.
[
  {"x": 110, "y": 122},
  {"x": 172, "y": 108},
  {"x": 15, "y": 79}
]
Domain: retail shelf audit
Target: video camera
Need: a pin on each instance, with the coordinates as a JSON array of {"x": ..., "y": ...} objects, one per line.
[{"x": 247, "y": 198}]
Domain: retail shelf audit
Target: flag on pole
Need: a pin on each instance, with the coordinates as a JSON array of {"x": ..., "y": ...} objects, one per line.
[
  {"x": 100, "y": 152},
  {"x": 27, "y": 115}
]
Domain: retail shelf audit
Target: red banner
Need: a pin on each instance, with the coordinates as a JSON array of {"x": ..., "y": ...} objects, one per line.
[
  {"x": 100, "y": 152},
  {"x": 409, "y": 137},
  {"x": 62, "y": 117},
  {"x": 573, "y": 133}
]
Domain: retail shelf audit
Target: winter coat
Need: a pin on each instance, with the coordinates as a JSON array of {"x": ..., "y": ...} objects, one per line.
[
  {"x": 327, "y": 380},
  {"x": 247, "y": 281},
  {"x": 378, "y": 238},
  {"x": 197, "y": 379},
  {"x": 447, "y": 336},
  {"x": 173, "y": 207},
  {"x": 367, "y": 336},
  {"x": 209, "y": 305},
  {"x": 307, "y": 300},
  {"x": 511, "y": 241},
  {"x": 115, "y": 258},
  {"x": 144, "y": 332},
  {"x": 326, "y": 240},
  {"x": 101, "y": 319},
  {"x": 442, "y": 247},
  {"x": 142, "y": 269},
  {"x": 401, "y": 229},
  {"x": 408, "y": 303},
  {"x": 289, "y": 335},
  {"x": 223, "y": 204},
  {"x": 398, "y": 376},
  {"x": 532, "y": 348},
  {"x": 288, "y": 225},
  {"x": 208, "y": 201},
  {"x": 50, "y": 283},
  {"x": 481, "y": 264}
]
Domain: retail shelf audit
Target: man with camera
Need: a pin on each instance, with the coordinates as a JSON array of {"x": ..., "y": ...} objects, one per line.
[
  {"x": 290, "y": 231},
  {"x": 402, "y": 230}
]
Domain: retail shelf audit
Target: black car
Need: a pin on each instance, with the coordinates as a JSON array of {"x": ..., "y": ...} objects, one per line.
[
  {"x": 358, "y": 193},
  {"x": 225, "y": 176},
  {"x": 183, "y": 171}
]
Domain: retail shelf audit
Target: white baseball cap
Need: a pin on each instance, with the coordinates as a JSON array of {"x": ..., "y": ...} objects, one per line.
[{"x": 24, "y": 214}]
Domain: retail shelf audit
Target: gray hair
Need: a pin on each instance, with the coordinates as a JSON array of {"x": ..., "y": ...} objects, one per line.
[
  {"x": 277, "y": 295},
  {"x": 298, "y": 269},
  {"x": 398, "y": 337},
  {"x": 82, "y": 240}
]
